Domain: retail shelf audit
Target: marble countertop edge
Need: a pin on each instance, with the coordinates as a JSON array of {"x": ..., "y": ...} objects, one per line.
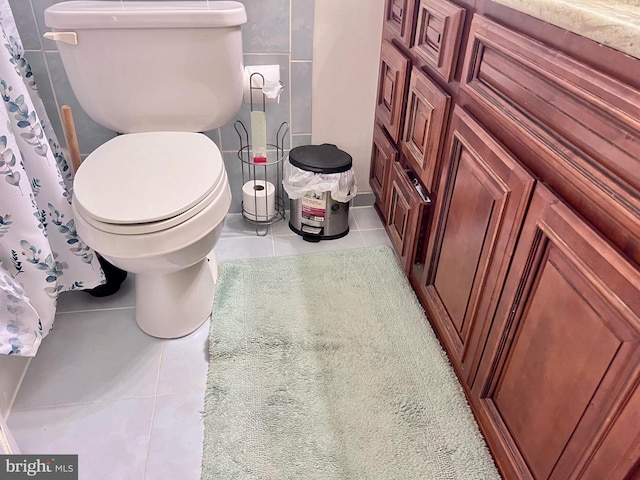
[{"x": 614, "y": 24}]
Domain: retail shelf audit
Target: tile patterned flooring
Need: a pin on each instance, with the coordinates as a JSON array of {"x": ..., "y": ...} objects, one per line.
[{"x": 128, "y": 404}]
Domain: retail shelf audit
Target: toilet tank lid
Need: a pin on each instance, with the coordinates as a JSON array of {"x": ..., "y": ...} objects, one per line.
[{"x": 145, "y": 14}]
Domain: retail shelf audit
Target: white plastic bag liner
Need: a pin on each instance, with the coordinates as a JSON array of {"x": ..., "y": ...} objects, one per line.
[{"x": 298, "y": 182}]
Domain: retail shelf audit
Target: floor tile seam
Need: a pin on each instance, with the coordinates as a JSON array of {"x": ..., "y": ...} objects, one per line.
[
  {"x": 236, "y": 237},
  {"x": 160, "y": 393},
  {"x": 148, "y": 452},
  {"x": 285, "y": 235},
  {"x": 294, "y": 235},
  {"x": 201, "y": 390},
  {"x": 372, "y": 229},
  {"x": 65, "y": 312},
  {"x": 76, "y": 404},
  {"x": 159, "y": 370},
  {"x": 352, "y": 228},
  {"x": 364, "y": 240}
]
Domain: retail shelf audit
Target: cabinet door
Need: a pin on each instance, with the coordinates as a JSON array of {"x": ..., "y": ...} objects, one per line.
[
  {"x": 438, "y": 34},
  {"x": 483, "y": 195},
  {"x": 424, "y": 127},
  {"x": 405, "y": 214},
  {"x": 563, "y": 357},
  {"x": 399, "y": 19},
  {"x": 575, "y": 127},
  {"x": 392, "y": 86},
  {"x": 383, "y": 156}
]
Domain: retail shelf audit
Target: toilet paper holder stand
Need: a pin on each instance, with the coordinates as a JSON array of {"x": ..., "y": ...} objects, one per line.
[{"x": 258, "y": 208}]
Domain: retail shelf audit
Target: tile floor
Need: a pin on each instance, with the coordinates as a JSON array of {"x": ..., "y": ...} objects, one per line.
[{"x": 128, "y": 404}]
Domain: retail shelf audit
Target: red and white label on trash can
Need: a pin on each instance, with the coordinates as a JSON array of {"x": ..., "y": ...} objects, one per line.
[{"x": 313, "y": 206}]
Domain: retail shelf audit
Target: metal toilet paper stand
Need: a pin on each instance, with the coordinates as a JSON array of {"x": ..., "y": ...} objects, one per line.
[{"x": 259, "y": 173}]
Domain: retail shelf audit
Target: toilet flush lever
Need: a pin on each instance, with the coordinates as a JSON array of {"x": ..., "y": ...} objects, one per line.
[{"x": 66, "y": 37}]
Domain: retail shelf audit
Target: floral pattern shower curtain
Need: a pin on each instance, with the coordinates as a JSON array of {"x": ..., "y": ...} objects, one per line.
[{"x": 41, "y": 254}]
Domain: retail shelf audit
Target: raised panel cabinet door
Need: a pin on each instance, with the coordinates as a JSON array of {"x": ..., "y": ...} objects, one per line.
[
  {"x": 424, "y": 126},
  {"x": 383, "y": 156},
  {"x": 576, "y": 128},
  {"x": 438, "y": 34},
  {"x": 399, "y": 19},
  {"x": 405, "y": 214},
  {"x": 482, "y": 200},
  {"x": 562, "y": 361},
  {"x": 392, "y": 86}
]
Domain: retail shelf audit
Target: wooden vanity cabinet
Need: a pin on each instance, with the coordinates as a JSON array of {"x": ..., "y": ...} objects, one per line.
[
  {"x": 526, "y": 255},
  {"x": 438, "y": 33},
  {"x": 402, "y": 206},
  {"x": 392, "y": 84},
  {"x": 484, "y": 194},
  {"x": 406, "y": 213},
  {"x": 383, "y": 155},
  {"x": 562, "y": 360},
  {"x": 399, "y": 18},
  {"x": 413, "y": 110},
  {"x": 575, "y": 128},
  {"x": 427, "y": 111}
]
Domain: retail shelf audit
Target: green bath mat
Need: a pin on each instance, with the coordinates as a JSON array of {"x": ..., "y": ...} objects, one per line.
[{"x": 323, "y": 367}]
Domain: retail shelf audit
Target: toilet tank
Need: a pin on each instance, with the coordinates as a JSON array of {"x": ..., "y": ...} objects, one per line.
[{"x": 138, "y": 66}]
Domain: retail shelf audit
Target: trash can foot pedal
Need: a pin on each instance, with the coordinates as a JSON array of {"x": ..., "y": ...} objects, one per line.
[
  {"x": 311, "y": 230},
  {"x": 311, "y": 234},
  {"x": 311, "y": 238}
]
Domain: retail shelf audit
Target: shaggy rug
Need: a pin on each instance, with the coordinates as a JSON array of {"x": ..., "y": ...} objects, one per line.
[{"x": 324, "y": 366}]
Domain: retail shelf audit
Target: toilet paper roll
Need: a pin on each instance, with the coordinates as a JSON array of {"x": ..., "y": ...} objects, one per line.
[
  {"x": 271, "y": 74},
  {"x": 259, "y": 200}
]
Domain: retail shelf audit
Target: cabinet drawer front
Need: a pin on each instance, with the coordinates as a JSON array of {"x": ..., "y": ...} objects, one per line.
[
  {"x": 574, "y": 127},
  {"x": 392, "y": 85},
  {"x": 405, "y": 214},
  {"x": 564, "y": 354},
  {"x": 383, "y": 156},
  {"x": 399, "y": 19},
  {"x": 438, "y": 33},
  {"x": 424, "y": 126},
  {"x": 482, "y": 199}
]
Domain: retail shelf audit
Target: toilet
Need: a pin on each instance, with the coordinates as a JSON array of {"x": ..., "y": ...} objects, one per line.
[{"x": 152, "y": 200}]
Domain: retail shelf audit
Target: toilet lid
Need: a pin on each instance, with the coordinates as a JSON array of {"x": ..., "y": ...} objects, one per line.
[{"x": 141, "y": 179}]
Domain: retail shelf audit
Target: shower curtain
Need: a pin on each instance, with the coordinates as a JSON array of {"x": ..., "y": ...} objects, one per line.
[{"x": 41, "y": 254}]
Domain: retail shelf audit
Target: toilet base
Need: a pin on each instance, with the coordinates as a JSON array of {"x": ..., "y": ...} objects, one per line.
[{"x": 172, "y": 305}]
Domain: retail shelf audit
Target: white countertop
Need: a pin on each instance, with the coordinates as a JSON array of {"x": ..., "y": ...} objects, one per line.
[{"x": 614, "y": 23}]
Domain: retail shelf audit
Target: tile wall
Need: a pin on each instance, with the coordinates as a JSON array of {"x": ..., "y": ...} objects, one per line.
[{"x": 277, "y": 32}]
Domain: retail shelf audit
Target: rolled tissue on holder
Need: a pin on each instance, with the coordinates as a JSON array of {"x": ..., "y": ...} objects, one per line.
[
  {"x": 259, "y": 200},
  {"x": 271, "y": 86},
  {"x": 273, "y": 91}
]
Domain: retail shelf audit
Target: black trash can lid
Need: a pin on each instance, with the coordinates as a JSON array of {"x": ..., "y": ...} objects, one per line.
[{"x": 325, "y": 158}]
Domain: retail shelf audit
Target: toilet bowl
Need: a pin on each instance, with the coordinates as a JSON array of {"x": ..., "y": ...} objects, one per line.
[
  {"x": 158, "y": 217},
  {"x": 152, "y": 201}
]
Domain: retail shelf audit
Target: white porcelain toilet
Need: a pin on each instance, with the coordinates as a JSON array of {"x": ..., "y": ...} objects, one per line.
[{"x": 152, "y": 200}]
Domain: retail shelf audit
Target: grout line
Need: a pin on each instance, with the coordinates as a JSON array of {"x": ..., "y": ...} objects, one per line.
[
  {"x": 153, "y": 410},
  {"x": 364, "y": 240},
  {"x": 65, "y": 312},
  {"x": 53, "y": 87},
  {"x": 35, "y": 22},
  {"x": 164, "y": 342},
  {"x": 153, "y": 416},
  {"x": 273, "y": 243},
  {"x": 76, "y": 404}
]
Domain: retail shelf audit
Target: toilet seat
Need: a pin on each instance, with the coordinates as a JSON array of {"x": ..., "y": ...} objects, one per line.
[{"x": 147, "y": 182}]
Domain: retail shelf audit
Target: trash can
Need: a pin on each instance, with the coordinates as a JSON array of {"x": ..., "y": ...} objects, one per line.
[{"x": 320, "y": 183}]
